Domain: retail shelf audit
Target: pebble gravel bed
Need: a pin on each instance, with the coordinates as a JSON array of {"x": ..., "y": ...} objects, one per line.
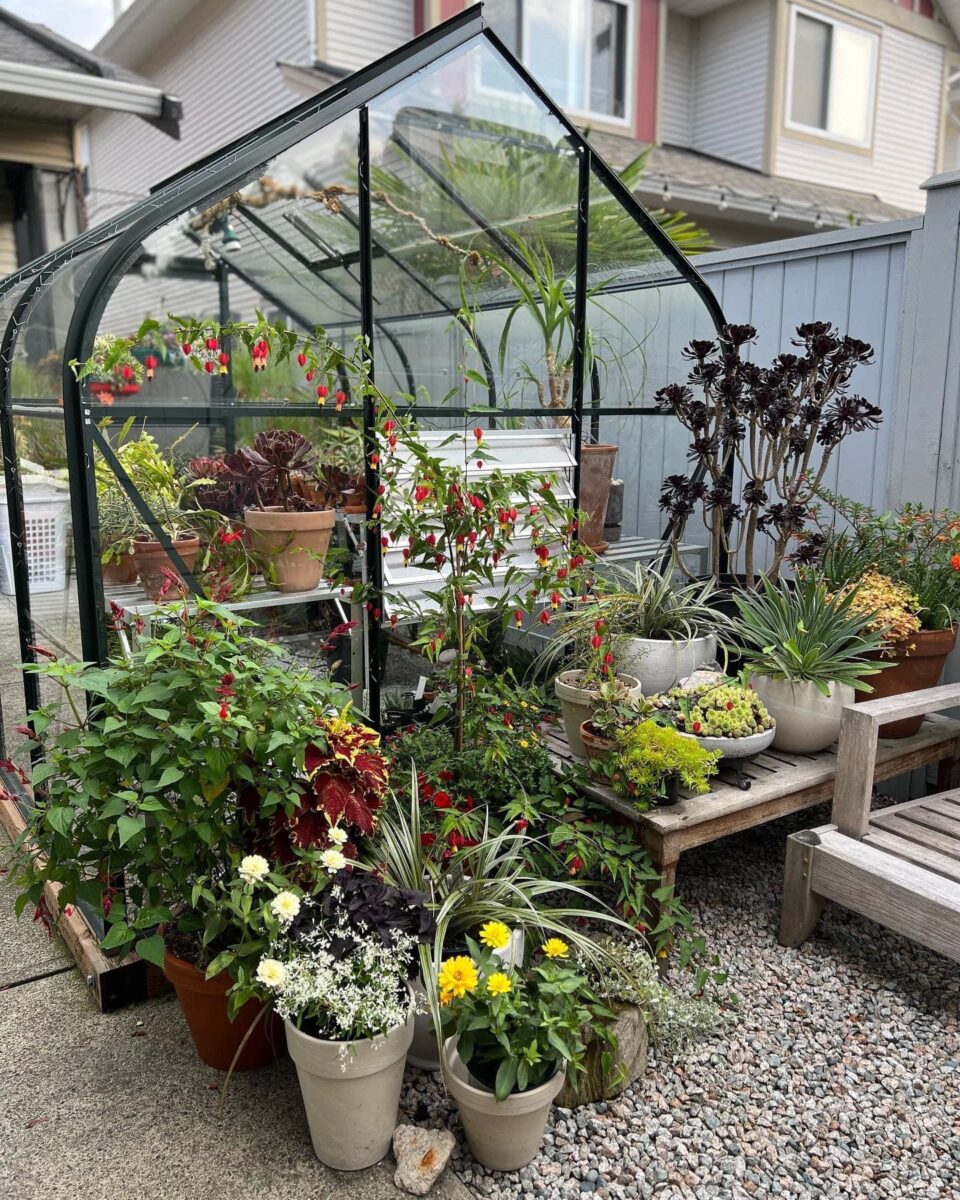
[{"x": 840, "y": 1078}]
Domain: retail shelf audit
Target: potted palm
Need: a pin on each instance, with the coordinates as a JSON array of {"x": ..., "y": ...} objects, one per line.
[
  {"x": 513, "y": 1035},
  {"x": 339, "y": 976},
  {"x": 287, "y": 527},
  {"x": 806, "y": 653}
]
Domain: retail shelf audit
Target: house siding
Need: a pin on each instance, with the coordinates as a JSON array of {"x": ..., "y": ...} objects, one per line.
[
  {"x": 360, "y": 31},
  {"x": 732, "y": 72},
  {"x": 221, "y": 64},
  {"x": 906, "y": 129},
  {"x": 676, "y": 97},
  {"x": 37, "y": 142}
]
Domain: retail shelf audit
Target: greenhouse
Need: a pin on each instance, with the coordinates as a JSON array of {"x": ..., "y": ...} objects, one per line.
[{"x": 436, "y": 214}]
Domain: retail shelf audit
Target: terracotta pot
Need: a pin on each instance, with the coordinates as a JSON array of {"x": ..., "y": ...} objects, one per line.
[
  {"x": 151, "y": 558},
  {"x": 596, "y": 475},
  {"x": 595, "y": 744},
  {"x": 122, "y": 570},
  {"x": 215, "y": 1036},
  {"x": 351, "y": 1091},
  {"x": 502, "y": 1135},
  {"x": 919, "y": 664},
  {"x": 296, "y": 544},
  {"x": 577, "y": 704}
]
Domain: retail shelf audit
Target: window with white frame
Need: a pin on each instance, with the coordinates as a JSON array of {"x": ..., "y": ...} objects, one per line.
[
  {"x": 832, "y": 77},
  {"x": 580, "y": 51}
]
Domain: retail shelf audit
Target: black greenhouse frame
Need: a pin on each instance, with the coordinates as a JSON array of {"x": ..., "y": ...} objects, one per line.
[{"x": 238, "y": 163}]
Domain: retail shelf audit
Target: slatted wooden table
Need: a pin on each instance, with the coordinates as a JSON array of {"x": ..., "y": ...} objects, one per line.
[{"x": 779, "y": 784}]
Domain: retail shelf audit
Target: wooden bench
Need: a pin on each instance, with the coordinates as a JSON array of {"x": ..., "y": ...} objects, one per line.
[
  {"x": 778, "y": 784},
  {"x": 899, "y": 866}
]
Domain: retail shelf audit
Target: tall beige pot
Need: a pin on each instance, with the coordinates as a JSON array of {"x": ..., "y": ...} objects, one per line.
[
  {"x": 351, "y": 1093},
  {"x": 807, "y": 721},
  {"x": 596, "y": 475},
  {"x": 502, "y": 1135},
  {"x": 295, "y": 542},
  {"x": 577, "y": 704}
]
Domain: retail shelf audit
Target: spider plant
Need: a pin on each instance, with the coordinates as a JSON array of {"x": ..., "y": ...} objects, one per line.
[
  {"x": 800, "y": 633},
  {"x": 490, "y": 881}
]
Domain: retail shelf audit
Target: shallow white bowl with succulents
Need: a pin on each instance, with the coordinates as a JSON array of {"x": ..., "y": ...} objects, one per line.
[{"x": 720, "y": 715}]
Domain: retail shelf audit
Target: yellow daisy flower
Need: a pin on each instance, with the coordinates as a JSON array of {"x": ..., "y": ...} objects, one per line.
[
  {"x": 555, "y": 948},
  {"x": 458, "y": 976},
  {"x": 495, "y": 935},
  {"x": 445, "y": 998},
  {"x": 498, "y": 984},
  {"x": 524, "y": 744}
]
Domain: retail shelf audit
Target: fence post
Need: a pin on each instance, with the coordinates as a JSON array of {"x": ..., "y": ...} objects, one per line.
[{"x": 927, "y": 421}]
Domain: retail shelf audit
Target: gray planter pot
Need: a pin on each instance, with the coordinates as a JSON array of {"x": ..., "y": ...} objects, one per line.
[
  {"x": 577, "y": 704},
  {"x": 660, "y": 663},
  {"x": 807, "y": 721},
  {"x": 502, "y": 1135},
  {"x": 351, "y": 1093}
]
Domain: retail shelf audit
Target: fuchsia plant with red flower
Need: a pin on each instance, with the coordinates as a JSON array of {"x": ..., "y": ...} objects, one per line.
[{"x": 502, "y": 545}]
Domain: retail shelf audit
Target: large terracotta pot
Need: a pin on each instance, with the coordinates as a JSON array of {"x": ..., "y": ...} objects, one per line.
[
  {"x": 807, "y": 721},
  {"x": 151, "y": 558},
  {"x": 502, "y": 1135},
  {"x": 577, "y": 704},
  {"x": 351, "y": 1092},
  {"x": 596, "y": 474},
  {"x": 215, "y": 1036},
  {"x": 119, "y": 570},
  {"x": 918, "y": 664},
  {"x": 295, "y": 542}
]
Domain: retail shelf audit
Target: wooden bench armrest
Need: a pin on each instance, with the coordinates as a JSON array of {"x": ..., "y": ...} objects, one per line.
[{"x": 857, "y": 749}]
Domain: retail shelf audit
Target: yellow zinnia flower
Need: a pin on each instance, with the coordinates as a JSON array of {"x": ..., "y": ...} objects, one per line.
[
  {"x": 458, "y": 976},
  {"x": 555, "y": 948},
  {"x": 495, "y": 935},
  {"x": 498, "y": 984}
]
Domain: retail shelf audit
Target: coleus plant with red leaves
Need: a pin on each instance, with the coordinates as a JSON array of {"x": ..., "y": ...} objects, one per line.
[{"x": 502, "y": 545}]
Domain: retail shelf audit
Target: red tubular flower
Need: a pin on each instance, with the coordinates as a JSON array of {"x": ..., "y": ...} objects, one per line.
[
  {"x": 309, "y": 376},
  {"x": 186, "y": 348},
  {"x": 521, "y": 824},
  {"x": 576, "y": 865},
  {"x": 301, "y": 359},
  {"x": 223, "y": 358},
  {"x": 321, "y": 393},
  {"x": 341, "y": 399},
  {"x": 608, "y": 659},
  {"x": 596, "y": 641},
  {"x": 224, "y": 712},
  {"x": 955, "y": 562},
  {"x": 544, "y": 617},
  {"x": 555, "y": 599},
  {"x": 151, "y": 363},
  {"x": 518, "y": 618},
  {"x": 212, "y": 343},
  {"x": 478, "y": 434}
]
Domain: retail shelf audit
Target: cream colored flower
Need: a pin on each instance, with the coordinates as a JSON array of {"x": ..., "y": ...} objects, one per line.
[
  {"x": 253, "y": 868},
  {"x": 338, "y": 836},
  {"x": 333, "y": 860},
  {"x": 285, "y": 906},
  {"x": 271, "y": 972}
]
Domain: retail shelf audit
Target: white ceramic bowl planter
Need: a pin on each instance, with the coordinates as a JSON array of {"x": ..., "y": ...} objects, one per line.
[
  {"x": 502, "y": 1135},
  {"x": 807, "y": 721},
  {"x": 351, "y": 1092},
  {"x": 741, "y": 747},
  {"x": 660, "y": 663}
]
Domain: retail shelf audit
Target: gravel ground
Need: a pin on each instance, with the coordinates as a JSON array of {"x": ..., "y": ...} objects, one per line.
[{"x": 841, "y": 1078}]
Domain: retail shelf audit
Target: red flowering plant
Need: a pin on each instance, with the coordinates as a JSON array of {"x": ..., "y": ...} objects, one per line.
[
  {"x": 501, "y": 546},
  {"x": 199, "y": 747}
]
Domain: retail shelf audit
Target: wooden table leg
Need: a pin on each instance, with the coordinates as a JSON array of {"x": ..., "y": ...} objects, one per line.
[{"x": 948, "y": 770}]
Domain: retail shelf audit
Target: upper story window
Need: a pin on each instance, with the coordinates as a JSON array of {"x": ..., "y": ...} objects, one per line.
[
  {"x": 579, "y": 50},
  {"x": 832, "y": 78}
]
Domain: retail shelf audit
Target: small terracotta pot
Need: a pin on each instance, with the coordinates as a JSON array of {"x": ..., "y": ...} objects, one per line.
[
  {"x": 596, "y": 475},
  {"x": 595, "y": 744},
  {"x": 122, "y": 570},
  {"x": 919, "y": 664},
  {"x": 215, "y": 1036},
  {"x": 296, "y": 544},
  {"x": 151, "y": 558}
]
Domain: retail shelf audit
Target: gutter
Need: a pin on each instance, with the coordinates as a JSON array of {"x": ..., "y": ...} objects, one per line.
[{"x": 70, "y": 87}]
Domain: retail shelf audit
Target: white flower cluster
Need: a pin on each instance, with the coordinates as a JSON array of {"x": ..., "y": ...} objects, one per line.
[{"x": 349, "y": 996}]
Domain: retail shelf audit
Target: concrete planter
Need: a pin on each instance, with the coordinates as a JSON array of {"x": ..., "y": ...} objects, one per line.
[
  {"x": 660, "y": 663},
  {"x": 577, "y": 704},
  {"x": 742, "y": 747},
  {"x": 351, "y": 1093},
  {"x": 503, "y": 1136},
  {"x": 807, "y": 721},
  {"x": 296, "y": 544},
  {"x": 607, "y": 1073}
]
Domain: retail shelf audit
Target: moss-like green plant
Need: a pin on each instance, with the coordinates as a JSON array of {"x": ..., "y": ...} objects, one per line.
[{"x": 647, "y": 756}]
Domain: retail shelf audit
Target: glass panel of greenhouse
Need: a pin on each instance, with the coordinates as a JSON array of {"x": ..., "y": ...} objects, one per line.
[{"x": 441, "y": 221}]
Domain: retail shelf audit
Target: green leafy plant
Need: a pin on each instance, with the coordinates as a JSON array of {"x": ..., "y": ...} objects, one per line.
[
  {"x": 198, "y": 747},
  {"x": 801, "y": 634},
  {"x": 517, "y": 1027},
  {"x": 645, "y": 758},
  {"x": 617, "y": 710}
]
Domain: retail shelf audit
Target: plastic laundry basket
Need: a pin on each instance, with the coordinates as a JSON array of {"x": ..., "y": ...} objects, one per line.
[{"x": 47, "y": 517}]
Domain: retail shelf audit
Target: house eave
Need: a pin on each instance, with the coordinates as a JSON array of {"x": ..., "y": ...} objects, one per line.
[{"x": 89, "y": 91}]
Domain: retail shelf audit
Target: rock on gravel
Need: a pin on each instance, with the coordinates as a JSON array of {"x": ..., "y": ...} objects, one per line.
[
  {"x": 421, "y": 1156},
  {"x": 840, "y": 1079}
]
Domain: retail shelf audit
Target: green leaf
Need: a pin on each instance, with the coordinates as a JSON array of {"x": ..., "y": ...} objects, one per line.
[
  {"x": 150, "y": 948},
  {"x": 42, "y": 771},
  {"x": 169, "y": 777},
  {"x": 506, "y": 1078},
  {"x": 60, "y": 820},
  {"x": 129, "y": 827},
  {"x": 152, "y": 915},
  {"x": 117, "y": 936}
]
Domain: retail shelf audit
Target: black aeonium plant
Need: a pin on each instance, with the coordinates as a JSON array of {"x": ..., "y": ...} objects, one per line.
[
  {"x": 761, "y": 438},
  {"x": 274, "y": 468}
]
